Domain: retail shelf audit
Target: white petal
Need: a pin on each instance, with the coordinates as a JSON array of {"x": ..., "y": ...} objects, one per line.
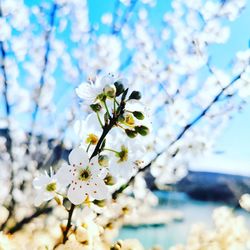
[
  {"x": 78, "y": 157},
  {"x": 84, "y": 91},
  {"x": 79, "y": 128},
  {"x": 124, "y": 170},
  {"x": 77, "y": 194},
  {"x": 42, "y": 196},
  {"x": 94, "y": 161},
  {"x": 38, "y": 200},
  {"x": 41, "y": 181},
  {"x": 114, "y": 170},
  {"x": 99, "y": 190},
  {"x": 103, "y": 173},
  {"x": 95, "y": 168},
  {"x": 64, "y": 175}
]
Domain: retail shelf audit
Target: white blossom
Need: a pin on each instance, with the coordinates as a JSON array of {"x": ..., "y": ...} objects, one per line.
[{"x": 84, "y": 176}]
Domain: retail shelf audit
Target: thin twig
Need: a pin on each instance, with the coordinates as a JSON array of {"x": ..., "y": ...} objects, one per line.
[
  {"x": 125, "y": 18},
  {"x": 42, "y": 79},
  {"x": 181, "y": 134},
  {"x": 18, "y": 226},
  {"x": 8, "y": 136}
]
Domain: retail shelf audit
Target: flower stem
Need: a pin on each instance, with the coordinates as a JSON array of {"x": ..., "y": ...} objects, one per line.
[
  {"x": 105, "y": 131},
  {"x": 106, "y": 128},
  {"x": 114, "y": 112},
  {"x": 65, "y": 233},
  {"x": 87, "y": 150},
  {"x": 106, "y": 107},
  {"x": 99, "y": 119},
  {"x": 111, "y": 150}
]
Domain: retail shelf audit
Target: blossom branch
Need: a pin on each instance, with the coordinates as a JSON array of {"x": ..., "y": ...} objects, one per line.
[
  {"x": 42, "y": 79},
  {"x": 18, "y": 226},
  {"x": 106, "y": 129},
  {"x": 8, "y": 136},
  {"x": 125, "y": 18},
  {"x": 181, "y": 134}
]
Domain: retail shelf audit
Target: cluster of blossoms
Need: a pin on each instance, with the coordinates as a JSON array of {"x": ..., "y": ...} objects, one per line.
[
  {"x": 168, "y": 64},
  {"x": 106, "y": 152},
  {"x": 229, "y": 233}
]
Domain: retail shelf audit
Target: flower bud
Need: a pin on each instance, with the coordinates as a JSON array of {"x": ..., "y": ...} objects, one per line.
[
  {"x": 116, "y": 246},
  {"x": 96, "y": 107},
  {"x": 138, "y": 115},
  {"x": 109, "y": 180},
  {"x": 100, "y": 203},
  {"x": 135, "y": 95},
  {"x": 66, "y": 203},
  {"x": 126, "y": 210},
  {"x": 119, "y": 88},
  {"x": 142, "y": 130},
  {"x": 102, "y": 97},
  {"x": 131, "y": 133},
  {"x": 110, "y": 225},
  {"x": 110, "y": 91},
  {"x": 103, "y": 160},
  {"x": 121, "y": 119}
]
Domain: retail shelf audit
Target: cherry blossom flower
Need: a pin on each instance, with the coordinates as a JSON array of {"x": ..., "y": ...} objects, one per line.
[
  {"x": 47, "y": 187},
  {"x": 124, "y": 157},
  {"x": 84, "y": 176},
  {"x": 91, "y": 91},
  {"x": 88, "y": 130}
]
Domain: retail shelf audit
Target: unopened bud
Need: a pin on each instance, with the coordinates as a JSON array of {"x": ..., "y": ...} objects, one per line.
[
  {"x": 96, "y": 107},
  {"x": 116, "y": 246},
  {"x": 138, "y": 115},
  {"x": 100, "y": 203},
  {"x": 66, "y": 203},
  {"x": 131, "y": 133},
  {"x": 142, "y": 130},
  {"x": 126, "y": 210},
  {"x": 135, "y": 95},
  {"x": 119, "y": 88},
  {"x": 103, "y": 160},
  {"x": 102, "y": 97},
  {"x": 110, "y": 91},
  {"x": 110, "y": 225},
  {"x": 109, "y": 180}
]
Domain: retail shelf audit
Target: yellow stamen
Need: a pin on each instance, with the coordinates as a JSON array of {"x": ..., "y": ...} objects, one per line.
[
  {"x": 92, "y": 138},
  {"x": 51, "y": 187},
  {"x": 87, "y": 201}
]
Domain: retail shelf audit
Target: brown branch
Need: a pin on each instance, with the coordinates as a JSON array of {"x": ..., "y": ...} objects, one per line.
[{"x": 28, "y": 219}]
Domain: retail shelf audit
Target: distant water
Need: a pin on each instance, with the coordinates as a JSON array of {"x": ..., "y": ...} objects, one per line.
[{"x": 176, "y": 232}]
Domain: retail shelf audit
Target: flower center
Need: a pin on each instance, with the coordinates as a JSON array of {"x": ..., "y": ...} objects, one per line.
[
  {"x": 92, "y": 138},
  {"x": 51, "y": 187},
  {"x": 84, "y": 174},
  {"x": 129, "y": 120},
  {"x": 123, "y": 154}
]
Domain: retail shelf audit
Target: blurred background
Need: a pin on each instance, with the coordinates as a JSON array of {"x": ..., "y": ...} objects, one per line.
[{"x": 190, "y": 60}]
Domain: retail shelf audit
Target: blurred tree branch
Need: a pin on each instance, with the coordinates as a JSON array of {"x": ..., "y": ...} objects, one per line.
[
  {"x": 181, "y": 134},
  {"x": 42, "y": 79}
]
